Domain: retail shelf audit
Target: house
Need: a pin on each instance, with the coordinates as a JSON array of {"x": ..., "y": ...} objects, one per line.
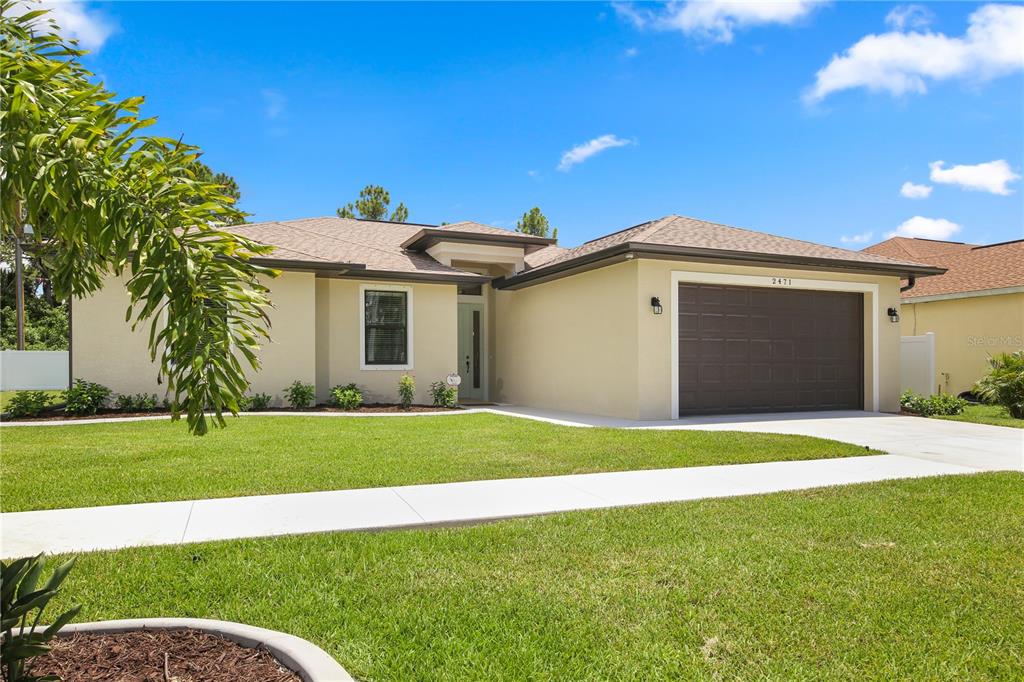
[
  {"x": 975, "y": 309},
  {"x": 675, "y": 316}
]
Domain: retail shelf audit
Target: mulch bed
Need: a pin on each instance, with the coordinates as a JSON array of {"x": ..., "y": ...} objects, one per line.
[
  {"x": 158, "y": 656},
  {"x": 57, "y": 414}
]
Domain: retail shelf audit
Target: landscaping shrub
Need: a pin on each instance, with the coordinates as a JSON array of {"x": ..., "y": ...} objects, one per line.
[
  {"x": 86, "y": 397},
  {"x": 347, "y": 397},
  {"x": 28, "y": 403},
  {"x": 1004, "y": 383},
  {"x": 300, "y": 395},
  {"x": 938, "y": 404},
  {"x": 22, "y": 604},
  {"x": 140, "y": 402},
  {"x": 443, "y": 394},
  {"x": 255, "y": 402},
  {"x": 406, "y": 391}
]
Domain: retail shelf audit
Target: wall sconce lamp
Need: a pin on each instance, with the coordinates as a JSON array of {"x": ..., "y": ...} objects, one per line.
[
  {"x": 656, "y": 305},
  {"x": 894, "y": 315}
]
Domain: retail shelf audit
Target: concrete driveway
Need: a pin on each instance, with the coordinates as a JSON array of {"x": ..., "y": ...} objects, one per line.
[{"x": 980, "y": 446}]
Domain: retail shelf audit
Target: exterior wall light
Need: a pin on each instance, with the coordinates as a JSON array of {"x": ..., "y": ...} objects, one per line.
[
  {"x": 656, "y": 305},
  {"x": 894, "y": 315}
]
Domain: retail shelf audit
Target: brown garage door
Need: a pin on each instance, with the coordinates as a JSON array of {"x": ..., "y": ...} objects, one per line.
[{"x": 760, "y": 349}]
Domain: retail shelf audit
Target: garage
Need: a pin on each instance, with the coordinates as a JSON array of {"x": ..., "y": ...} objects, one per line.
[{"x": 769, "y": 349}]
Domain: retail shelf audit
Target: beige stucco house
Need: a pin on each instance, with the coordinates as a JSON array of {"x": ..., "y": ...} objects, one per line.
[
  {"x": 671, "y": 317},
  {"x": 975, "y": 309}
]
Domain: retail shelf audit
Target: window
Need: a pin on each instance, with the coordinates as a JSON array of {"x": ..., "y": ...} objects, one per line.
[{"x": 386, "y": 328}]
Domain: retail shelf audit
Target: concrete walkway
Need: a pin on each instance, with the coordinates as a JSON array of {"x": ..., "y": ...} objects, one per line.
[{"x": 166, "y": 523}]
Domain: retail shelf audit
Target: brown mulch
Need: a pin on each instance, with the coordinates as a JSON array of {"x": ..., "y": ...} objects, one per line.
[
  {"x": 158, "y": 656},
  {"x": 57, "y": 415}
]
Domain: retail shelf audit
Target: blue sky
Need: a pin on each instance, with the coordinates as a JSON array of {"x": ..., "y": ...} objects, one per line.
[{"x": 467, "y": 111}]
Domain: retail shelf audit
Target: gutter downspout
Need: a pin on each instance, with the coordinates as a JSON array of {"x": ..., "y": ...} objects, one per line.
[{"x": 911, "y": 281}]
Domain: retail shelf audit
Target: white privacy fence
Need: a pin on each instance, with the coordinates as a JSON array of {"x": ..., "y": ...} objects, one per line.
[
  {"x": 917, "y": 363},
  {"x": 22, "y": 370}
]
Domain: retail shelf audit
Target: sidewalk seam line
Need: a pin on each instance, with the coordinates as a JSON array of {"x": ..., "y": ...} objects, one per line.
[
  {"x": 407, "y": 504},
  {"x": 188, "y": 520}
]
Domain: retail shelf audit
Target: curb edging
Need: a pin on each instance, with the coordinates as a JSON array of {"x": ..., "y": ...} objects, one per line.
[{"x": 304, "y": 658}]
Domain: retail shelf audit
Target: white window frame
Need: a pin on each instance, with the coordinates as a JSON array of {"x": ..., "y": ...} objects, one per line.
[
  {"x": 694, "y": 277},
  {"x": 363, "y": 288}
]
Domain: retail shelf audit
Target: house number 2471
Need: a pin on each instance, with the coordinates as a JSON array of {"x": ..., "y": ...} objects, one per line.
[{"x": 782, "y": 281}]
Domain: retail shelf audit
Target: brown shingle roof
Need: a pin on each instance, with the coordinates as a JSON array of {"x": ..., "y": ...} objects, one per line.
[
  {"x": 969, "y": 267},
  {"x": 375, "y": 244},
  {"x": 680, "y": 231}
]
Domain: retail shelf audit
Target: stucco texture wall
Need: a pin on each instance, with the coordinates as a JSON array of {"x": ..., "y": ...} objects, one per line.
[
  {"x": 967, "y": 331},
  {"x": 106, "y": 350},
  {"x": 339, "y": 310},
  {"x": 570, "y": 344}
]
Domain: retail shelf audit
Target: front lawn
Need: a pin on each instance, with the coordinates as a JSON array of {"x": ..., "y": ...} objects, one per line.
[
  {"x": 913, "y": 580},
  {"x": 46, "y": 467},
  {"x": 985, "y": 414}
]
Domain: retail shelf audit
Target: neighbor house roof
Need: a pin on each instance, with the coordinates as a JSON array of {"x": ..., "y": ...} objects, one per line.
[
  {"x": 970, "y": 268},
  {"x": 679, "y": 236}
]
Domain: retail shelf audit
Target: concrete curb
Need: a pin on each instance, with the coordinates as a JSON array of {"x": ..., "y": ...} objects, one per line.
[{"x": 307, "y": 660}]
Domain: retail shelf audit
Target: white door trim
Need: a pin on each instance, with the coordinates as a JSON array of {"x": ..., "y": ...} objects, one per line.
[{"x": 678, "y": 276}]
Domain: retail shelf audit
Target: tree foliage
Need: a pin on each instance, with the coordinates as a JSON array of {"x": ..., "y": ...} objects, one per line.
[
  {"x": 110, "y": 201},
  {"x": 534, "y": 222},
  {"x": 373, "y": 204}
]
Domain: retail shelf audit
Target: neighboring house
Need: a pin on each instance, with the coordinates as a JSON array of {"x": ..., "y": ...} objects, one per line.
[
  {"x": 671, "y": 317},
  {"x": 975, "y": 309}
]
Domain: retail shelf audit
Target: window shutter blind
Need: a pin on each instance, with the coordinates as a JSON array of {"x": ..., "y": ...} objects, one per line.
[{"x": 386, "y": 313}]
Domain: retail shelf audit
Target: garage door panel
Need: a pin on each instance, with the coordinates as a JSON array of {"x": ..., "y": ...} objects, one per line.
[{"x": 756, "y": 349}]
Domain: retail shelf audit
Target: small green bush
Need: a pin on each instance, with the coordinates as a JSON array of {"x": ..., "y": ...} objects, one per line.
[
  {"x": 28, "y": 403},
  {"x": 406, "y": 391},
  {"x": 1004, "y": 383},
  {"x": 938, "y": 404},
  {"x": 85, "y": 397},
  {"x": 140, "y": 402},
  {"x": 443, "y": 394},
  {"x": 347, "y": 397},
  {"x": 300, "y": 395},
  {"x": 255, "y": 402}
]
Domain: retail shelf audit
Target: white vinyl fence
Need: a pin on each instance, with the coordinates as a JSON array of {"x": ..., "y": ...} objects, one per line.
[
  {"x": 917, "y": 363},
  {"x": 23, "y": 370}
]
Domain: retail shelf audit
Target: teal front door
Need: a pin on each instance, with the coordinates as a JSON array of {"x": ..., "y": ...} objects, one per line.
[{"x": 471, "y": 351}]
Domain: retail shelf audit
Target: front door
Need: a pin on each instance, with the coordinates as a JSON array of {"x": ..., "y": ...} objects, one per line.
[{"x": 471, "y": 339}]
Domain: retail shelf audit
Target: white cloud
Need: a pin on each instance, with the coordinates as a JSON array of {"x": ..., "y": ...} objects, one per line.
[
  {"x": 982, "y": 177},
  {"x": 89, "y": 27},
  {"x": 630, "y": 52},
  {"x": 927, "y": 228},
  {"x": 714, "y": 20},
  {"x": 862, "y": 238},
  {"x": 912, "y": 191},
  {"x": 582, "y": 152},
  {"x": 274, "y": 102},
  {"x": 903, "y": 17},
  {"x": 901, "y": 62}
]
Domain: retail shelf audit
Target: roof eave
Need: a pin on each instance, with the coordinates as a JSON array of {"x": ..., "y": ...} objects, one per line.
[
  {"x": 428, "y": 237},
  {"x": 644, "y": 250}
]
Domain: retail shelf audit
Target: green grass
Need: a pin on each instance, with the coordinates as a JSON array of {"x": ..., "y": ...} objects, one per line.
[
  {"x": 985, "y": 414},
  {"x": 913, "y": 580},
  {"x": 5, "y": 398},
  {"x": 94, "y": 464}
]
